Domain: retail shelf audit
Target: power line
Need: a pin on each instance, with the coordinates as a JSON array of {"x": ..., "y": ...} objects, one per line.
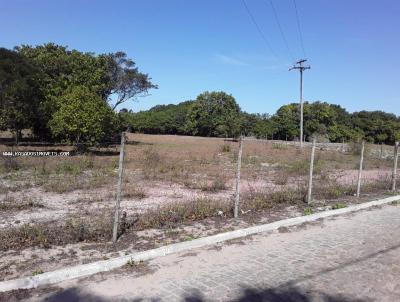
[
  {"x": 280, "y": 29},
  {"x": 258, "y": 29},
  {"x": 299, "y": 27}
]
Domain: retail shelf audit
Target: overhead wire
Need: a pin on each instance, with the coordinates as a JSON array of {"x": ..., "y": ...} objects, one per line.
[
  {"x": 264, "y": 38},
  {"x": 299, "y": 28},
  {"x": 280, "y": 29}
]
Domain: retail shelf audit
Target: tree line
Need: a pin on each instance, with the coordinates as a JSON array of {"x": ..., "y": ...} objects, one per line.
[
  {"x": 218, "y": 114},
  {"x": 65, "y": 95}
]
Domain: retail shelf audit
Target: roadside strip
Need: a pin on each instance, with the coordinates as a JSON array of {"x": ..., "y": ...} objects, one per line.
[{"x": 107, "y": 265}]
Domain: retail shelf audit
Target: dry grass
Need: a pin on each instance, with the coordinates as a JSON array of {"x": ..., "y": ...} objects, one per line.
[
  {"x": 173, "y": 179},
  {"x": 98, "y": 229},
  {"x": 133, "y": 191},
  {"x": 173, "y": 214},
  {"x": 9, "y": 203}
]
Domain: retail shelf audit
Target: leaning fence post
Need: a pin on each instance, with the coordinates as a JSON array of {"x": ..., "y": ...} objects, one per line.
[
  {"x": 310, "y": 179},
  {"x": 394, "y": 174},
  {"x": 120, "y": 173},
  {"x": 239, "y": 165},
  {"x": 360, "y": 169}
]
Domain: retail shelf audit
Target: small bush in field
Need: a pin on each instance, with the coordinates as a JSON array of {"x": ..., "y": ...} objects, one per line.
[
  {"x": 98, "y": 229},
  {"x": 338, "y": 206},
  {"x": 11, "y": 204},
  {"x": 217, "y": 184},
  {"x": 308, "y": 211},
  {"x": 69, "y": 168},
  {"x": 152, "y": 159},
  {"x": 134, "y": 192},
  {"x": 226, "y": 148},
  {"x": 10, "y": 164},
  {"x": 172, "y": 214},
  {"x": 279, "y": 146}
]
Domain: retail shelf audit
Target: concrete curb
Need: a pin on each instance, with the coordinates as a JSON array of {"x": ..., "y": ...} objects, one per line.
[{"x": 106, "y": 265}]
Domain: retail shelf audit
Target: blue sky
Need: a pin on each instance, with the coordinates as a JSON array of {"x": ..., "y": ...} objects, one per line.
[{"x": 188, "y": 47}]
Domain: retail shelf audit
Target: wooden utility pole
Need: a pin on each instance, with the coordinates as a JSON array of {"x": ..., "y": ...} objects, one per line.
[
  {"x": 299, "y": 65},
  {"x": 310, "y": 179},
  {"x": 239, "y": 165},
  {"x": 360, "y": 169},
  {"x": 120, "y": 174},
  {"x": 394, "y": 174}
]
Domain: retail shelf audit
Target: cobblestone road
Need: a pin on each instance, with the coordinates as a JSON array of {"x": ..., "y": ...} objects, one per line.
[{"x": 348, "y": 258}]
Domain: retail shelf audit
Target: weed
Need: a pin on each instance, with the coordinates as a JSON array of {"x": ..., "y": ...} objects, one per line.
[
  {"x": 226, "y": 148},
  {"x": 10, "y": 164},
  {"x": 134, "y": 192},
  {"x": 308, "y": 211},
  {"x": 338, "y": 206},
  {"x": 9, "y": 203},
  {"x": 217, "y": 184},
  {"x": 130, "y": 263},
  {"x": 171, "y": 214},
  {"x": 188, "y": 238},
  {"x": 279, "y": 146},
  {"x": 69, "y": 167},
  {"x": 37, "y": 272},
  {"x": 74, "y": 230}
]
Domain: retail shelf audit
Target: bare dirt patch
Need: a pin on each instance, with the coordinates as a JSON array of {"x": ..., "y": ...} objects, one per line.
[{"x": 57, "y": 211}]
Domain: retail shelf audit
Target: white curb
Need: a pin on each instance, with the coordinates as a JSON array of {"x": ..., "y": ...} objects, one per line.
[{"x": 106, "y": 265}]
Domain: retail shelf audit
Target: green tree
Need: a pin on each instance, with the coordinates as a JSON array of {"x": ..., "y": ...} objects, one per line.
[
  {"x": 214, "y": 114},
  {"x": 287, "y": 121},
  {"x": 125, "y": 80},
  {"x": 378, "y": 126},
  {"x": 107, "y": 75},
  {"x": 19, "y": 92},
  {"x": 82, "y": 117}
]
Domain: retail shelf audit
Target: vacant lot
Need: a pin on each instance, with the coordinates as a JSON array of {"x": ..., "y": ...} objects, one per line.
[{"x": 57, "y": 210}]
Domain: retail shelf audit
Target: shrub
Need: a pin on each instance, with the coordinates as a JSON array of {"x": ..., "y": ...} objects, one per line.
[
  {"x": 172, "y": 214},
  {"x": 99, "y": 228},
  {"x": 134, "y": 192},
  {"x": 226, "y": 148}
]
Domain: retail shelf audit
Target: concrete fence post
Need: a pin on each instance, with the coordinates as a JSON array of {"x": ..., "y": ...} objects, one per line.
[
  {"x": 360, "y": 169},
  {"x": 310, "y": 179},
  {"x": 239, "y": 165},
  {"x": 118, "y": 201},
  {"x": 395, "y": 160}
]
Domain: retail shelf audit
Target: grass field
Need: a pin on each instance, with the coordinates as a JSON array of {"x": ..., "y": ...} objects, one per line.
[{"x": 173, "y": 184}]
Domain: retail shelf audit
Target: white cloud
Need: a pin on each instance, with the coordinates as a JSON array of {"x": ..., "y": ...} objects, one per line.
[
  {"x": 231, "y": 60},
  {"x": 255, "y": 61}
]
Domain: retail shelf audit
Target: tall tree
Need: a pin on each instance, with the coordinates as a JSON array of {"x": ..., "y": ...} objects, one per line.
[
  {"x": 214, "y": 114},
  {"x": 19, "y": 92},
  {"x": 126, "y": 82},
  {"x": 82, "y": 117}
]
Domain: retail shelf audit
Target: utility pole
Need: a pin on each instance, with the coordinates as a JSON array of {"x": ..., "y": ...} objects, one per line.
[{"x": 299, "y": 65}]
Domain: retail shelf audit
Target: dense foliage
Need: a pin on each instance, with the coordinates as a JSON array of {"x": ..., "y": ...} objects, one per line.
[
  {"x": 214, "y": 114},
  {"x": 69, "y": 95},
  {"x": 37, "y": 84},
  {"x": 19, "y": 93},
  {"x": 199, "y": 117},
  {"x": 82, "y": 116}
]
